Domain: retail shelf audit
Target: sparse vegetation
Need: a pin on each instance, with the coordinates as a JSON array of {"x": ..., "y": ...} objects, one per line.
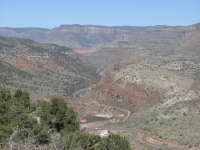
[
  {"x": 43, "y": 68},
  {"x": 153, "y": 80}
]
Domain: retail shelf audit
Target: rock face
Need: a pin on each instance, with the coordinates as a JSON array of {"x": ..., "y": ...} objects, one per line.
[
  {"x": 89, "y": 29},
  {"x": 138, "y": 95}
]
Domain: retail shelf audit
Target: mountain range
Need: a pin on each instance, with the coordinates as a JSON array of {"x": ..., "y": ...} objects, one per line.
[{"x": 74, "y": 36}]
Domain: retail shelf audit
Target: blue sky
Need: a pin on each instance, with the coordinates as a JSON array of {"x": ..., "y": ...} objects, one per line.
[{"x": 53, "y": 13}]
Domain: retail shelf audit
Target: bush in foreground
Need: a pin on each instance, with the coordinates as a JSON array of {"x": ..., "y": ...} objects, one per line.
[{"x": 53, "y": 125}]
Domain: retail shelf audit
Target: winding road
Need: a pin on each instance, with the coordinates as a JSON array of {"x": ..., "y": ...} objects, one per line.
[
  {"x": 100, "y": 71},
  {"x": 144, "y": 138}
]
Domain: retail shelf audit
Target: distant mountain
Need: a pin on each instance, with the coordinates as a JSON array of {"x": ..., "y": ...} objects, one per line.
[
  {"x": 75, "y": 36},
  {"x": 42, "y": 69},
  {"x": 91, "y": 36},
  {"x": 156, "y": 41},
  {"x": 21, "y": 30},
  {"x": 190, "y": 44}
]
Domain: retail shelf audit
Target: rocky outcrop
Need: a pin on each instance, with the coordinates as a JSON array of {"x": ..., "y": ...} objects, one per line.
[
  {"x": 138, "y": 95},
  {"x": 90, "y": 29},
  {"x": 189, "y": 32}
]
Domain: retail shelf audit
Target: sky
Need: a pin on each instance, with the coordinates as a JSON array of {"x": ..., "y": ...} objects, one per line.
[{"x": 53, "y": 13}]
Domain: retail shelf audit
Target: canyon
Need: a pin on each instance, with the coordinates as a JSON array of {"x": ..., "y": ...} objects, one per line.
[{"x": 151, "y": 75}]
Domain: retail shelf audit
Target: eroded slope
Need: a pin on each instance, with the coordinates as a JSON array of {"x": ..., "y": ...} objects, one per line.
[{"x": 43, "y": 69}]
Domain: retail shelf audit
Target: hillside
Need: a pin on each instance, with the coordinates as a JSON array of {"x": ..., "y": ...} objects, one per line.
[
  {"x": 43, "y": 69},
  {"x": 154, "y": 76}
]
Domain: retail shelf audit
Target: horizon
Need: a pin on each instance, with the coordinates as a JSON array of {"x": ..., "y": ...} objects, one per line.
[
  {"x": 97, "y": 26},
  {"x": 51, "y": 14}
]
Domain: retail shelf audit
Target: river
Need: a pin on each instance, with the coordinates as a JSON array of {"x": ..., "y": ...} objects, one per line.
[{"x": 100, "y": 72}]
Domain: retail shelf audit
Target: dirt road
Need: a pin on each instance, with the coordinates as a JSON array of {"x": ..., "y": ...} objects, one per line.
[{"x": 144, "y": 138}]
